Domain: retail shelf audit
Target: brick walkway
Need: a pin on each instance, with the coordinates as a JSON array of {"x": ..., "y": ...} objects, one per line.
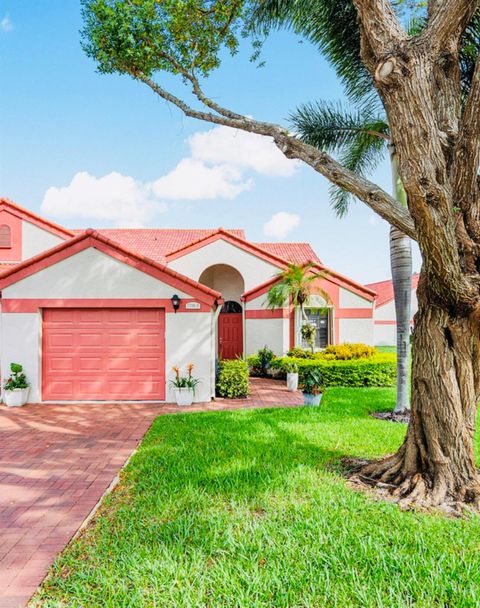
[{"x": 56, "y": 461}]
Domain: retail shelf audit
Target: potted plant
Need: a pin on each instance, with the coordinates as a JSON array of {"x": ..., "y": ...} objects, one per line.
[
  {"x": 291, "y": 369},
  {"x": 311, "y": 385},
  {"x": 184, "y": 386},
  {"x": 15, "y": 390},
  {"x": 265, "y": 356}
]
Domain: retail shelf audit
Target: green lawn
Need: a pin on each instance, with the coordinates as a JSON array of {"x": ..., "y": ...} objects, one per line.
[
  {"x": 386, "y": 349},
  {"x": 249, "y": 509}
]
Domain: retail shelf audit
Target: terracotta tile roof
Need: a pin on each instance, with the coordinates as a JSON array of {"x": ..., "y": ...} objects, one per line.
[
  {"x": 298, "y": 253},
  {"x": 384, "y": 290},
  {"x": 156, "y": 243}
]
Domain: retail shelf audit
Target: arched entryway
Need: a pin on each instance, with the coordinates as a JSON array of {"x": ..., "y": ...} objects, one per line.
[{"x": 229, "y": 282}]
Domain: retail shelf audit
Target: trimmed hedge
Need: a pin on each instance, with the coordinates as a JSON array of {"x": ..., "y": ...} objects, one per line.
[
  {"x": 378, "y": 370},
  {"x": 232, "y": 381}
]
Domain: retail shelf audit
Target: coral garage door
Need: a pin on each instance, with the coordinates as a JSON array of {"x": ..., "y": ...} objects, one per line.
[{"x": 103, "y": 354}]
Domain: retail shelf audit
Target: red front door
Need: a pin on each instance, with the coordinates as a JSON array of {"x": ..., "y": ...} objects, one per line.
[{"x": 230, "y": 335}]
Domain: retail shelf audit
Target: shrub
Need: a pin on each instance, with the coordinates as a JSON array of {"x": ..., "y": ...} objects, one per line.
[
  {"x": 300, "y": 353},
  {"x": 378, "y": 370},
  {"x": 232, "y": 380},
  {"x": 254, "y": 365},
  {"x": 348, "y": 351}
]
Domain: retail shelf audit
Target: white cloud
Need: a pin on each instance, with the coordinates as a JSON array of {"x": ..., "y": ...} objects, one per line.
[
  {"x": 248, "y": 151},
  {"x": 220, "y": 165},
  {"x": 113, "y": 198},
  {"x": 281, "y": 224},
  {"x": 5, "y": 24},
  {"x": 193, "y": 180}
]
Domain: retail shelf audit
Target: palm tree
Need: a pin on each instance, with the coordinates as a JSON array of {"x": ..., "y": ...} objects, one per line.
[
  {"x": 295, "y": 284},
  {"x": 360, "y": 136}
]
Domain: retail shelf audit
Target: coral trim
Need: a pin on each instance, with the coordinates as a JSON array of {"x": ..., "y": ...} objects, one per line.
[
  {"x": 8, "y": 205},
  {"x": 278, "y": 313},
  {"x": 354, "y": 313},
  {"x": 14, "y": 305},
  {"x": 222, "y": 234},
  {"x": 90, "y": 238}
]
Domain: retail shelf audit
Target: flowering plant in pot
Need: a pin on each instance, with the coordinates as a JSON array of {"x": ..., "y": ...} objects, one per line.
[
  {"x": 291, "y": 369},
  {"x": 16, "y": 387},
  {"x": 311, "y": 385},
  {"x": 184, "y": 386}
]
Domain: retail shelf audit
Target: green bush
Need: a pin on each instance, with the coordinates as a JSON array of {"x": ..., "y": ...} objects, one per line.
[
  {"x": 232, "y": 380},
  {"x": 378, "y": 370},
  {"x": 254, "y": 365},
  {"x": 301, "y": 353}
]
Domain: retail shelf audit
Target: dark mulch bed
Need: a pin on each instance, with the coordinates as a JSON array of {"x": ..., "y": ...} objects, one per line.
[{"x": 392, "y": 417}]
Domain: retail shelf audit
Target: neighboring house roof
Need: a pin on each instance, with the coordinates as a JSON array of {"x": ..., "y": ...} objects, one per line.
[
  {"x": 384, "y": 290},
  {"x": 33, "y": 218},
  {"x": 229, "y": 237},
  {"x": 157, "y": 243},
  {"x": 91, "y": 238},
  {"x": 296, "y": 253}
]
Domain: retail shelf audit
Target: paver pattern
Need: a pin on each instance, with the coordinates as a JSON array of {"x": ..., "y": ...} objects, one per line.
[{"x": 56, "y": 461}]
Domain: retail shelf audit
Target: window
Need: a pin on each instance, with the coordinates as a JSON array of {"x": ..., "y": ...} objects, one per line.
[
  {"x": 319, "y": 318},
  {"x": 231, "y": 306},
  {"x": 5, "y": 237}
]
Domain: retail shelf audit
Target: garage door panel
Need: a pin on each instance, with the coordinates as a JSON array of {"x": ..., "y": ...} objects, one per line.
[{"x": 103, "y": 354}]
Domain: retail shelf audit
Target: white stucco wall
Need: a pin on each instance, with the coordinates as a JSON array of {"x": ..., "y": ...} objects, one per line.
[
  {"x": 188, "y": 339},
  {"x": 254, "y": 270},
  {"x": 35, "y": 240},
  {"x": 91, "y": 274},
  {"x": 385, "y": 335},
  {"x": 355, "y": 330},
  {"x": 348, "y": 299},
  {"x": 21, "y": 343},
  {"x": 273, "y": 333}
]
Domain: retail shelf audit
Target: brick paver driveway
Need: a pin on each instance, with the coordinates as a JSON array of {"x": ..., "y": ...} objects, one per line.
[{"x": 56, "y": 461}]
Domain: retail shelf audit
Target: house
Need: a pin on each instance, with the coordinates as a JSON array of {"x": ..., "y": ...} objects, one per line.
[
  {"x": 384, "y": 317},
  {"x": 102, "y": 315}
]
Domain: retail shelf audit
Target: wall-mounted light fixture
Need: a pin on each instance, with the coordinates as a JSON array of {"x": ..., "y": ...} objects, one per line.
[{"x": 176, "y": 302}]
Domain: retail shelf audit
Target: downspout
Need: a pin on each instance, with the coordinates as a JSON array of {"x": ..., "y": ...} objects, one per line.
[{"x": 214, "y": 353}]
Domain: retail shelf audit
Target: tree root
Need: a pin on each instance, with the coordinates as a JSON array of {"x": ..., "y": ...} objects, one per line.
[{"x": 390, "y": 479}]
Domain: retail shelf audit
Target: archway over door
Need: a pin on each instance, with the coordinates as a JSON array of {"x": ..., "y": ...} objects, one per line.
[{"x": 229, "y": 282}]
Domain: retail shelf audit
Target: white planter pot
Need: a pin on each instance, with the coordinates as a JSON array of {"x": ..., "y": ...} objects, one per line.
[
  {"x": 184, "y": 396},
  {"x": 292, "y": 381},
  {"x": 16, "y": 398},
  {"x": 312, "y": 399}
]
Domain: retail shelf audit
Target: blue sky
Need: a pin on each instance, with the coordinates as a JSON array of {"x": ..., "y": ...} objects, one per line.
[{"x": 61, "y": 121}]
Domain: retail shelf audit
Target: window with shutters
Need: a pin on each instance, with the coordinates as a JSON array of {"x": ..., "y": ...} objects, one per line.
[{"x": 5, "y": 237}]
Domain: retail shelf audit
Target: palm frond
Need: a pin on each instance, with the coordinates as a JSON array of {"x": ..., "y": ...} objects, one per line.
[
  {"x": 332, "y": 26},
  {"x": 363, "y": 157},
  {"x": 333, "y": 126}
]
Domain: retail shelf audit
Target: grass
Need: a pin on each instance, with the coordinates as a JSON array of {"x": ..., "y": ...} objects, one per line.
[
  {"x": 249, "y": 509},
  {"x": 386, "y": 349}
]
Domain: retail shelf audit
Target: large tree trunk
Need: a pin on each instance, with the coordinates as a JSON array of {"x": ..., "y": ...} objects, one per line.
[
  {"x": 435, "y": 465},
  {"x": 401, "y": 266}
]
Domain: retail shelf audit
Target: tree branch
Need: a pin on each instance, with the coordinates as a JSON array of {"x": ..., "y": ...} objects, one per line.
[
  {"x": 380, "y": 25},
  {"x": 372, "y": 195},
  {"x": 467, "y": 159},
  {"x": 448, "y": 20}
]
